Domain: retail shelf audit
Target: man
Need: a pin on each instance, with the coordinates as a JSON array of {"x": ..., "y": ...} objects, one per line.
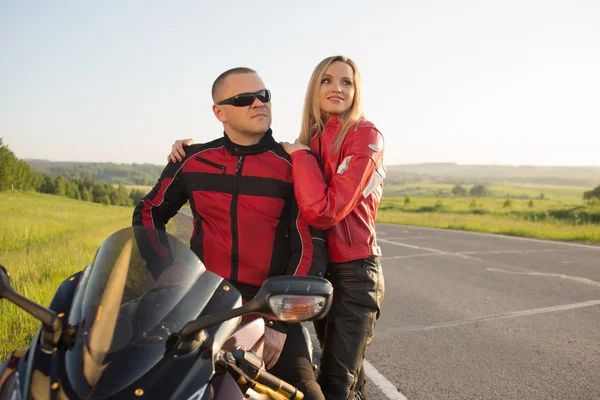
[{"x": 247, "y": 226}]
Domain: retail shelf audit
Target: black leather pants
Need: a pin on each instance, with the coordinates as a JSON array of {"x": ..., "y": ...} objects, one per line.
[
  {"x": 348, "y": 328},
  {"x": 294, "y": 365}
]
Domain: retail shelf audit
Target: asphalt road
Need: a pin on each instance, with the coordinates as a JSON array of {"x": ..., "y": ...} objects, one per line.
[{"x": 475, "y": 316}]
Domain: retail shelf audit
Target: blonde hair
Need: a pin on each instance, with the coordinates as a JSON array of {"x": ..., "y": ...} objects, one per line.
[{"x": 313, "y": 118}]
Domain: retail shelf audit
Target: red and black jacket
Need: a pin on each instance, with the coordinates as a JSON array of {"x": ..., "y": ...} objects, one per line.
[
  {"x": 247, "y": 226},
  {"x": 342, "y": 193}
]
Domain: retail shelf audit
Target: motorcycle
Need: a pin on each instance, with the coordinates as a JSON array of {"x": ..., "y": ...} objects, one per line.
[{"x": 146, "y": 320}]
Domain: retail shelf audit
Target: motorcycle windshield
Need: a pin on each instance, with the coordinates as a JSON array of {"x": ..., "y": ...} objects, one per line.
[{"x": 143, "y": 285}]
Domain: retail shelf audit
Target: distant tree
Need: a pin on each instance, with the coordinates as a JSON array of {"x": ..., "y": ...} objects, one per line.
[
  {"x": 7, "y": 161},
  {"x": 105, "y": 200},
  {"x": 86, "y": 195},
  {"x": 406, "y": 200},
  {"x": 594, "y": 202},
  {"x": 474, "y": 203},
  {"x": 459, "y": 191},
  {"x": 48, "y": 185},
  {"x": 60, "y": 186},
  {"x": 594, "y": 193},
  {"x": 531, "y": 205},
  {"x": 98, "y": 193},
  {"x": 14, "y": 173},
  {"x": 73, "y": 190},
  {"x": 113, "y": 194},
  {"x": 542, "y": 196},
  {"x": 479, "y": 191},
  {"x": 111, "y": 173},
  {"x": 508, "y": 203},
  {"x": 123, "y": 198}
]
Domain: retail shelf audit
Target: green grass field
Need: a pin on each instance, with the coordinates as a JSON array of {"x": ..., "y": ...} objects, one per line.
[
  {"x": 43, "y": 240},
  {"x": 554, "y": 193},
  {"x": 561, "y": 215},
  {"x": 143, "y": 188}
]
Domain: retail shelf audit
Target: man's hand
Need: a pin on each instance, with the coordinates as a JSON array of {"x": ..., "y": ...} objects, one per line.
[
  {"x": 292, "y": 147},
  {"x": 177, "y": 152},
  {"x": 274, "y": 341}
]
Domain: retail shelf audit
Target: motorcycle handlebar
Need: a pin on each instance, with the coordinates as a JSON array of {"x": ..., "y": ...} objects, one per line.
[
  {"x": 247, "y": 365},
  {"x": 278, "y": 385}
]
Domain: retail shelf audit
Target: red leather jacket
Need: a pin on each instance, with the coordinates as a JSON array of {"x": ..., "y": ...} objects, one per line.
[
  {"x": 246, "y": 222},
  {"x": 342, "y": 194}
]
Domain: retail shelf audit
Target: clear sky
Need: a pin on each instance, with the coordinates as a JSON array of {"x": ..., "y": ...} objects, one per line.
[{"x": 472, "y": 82}]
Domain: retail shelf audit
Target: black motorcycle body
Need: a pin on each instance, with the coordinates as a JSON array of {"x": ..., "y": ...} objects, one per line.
[{"x": 146, "y": 320}]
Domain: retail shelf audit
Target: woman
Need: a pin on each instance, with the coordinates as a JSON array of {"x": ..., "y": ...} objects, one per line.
[
  {"x": 337, "y": 165},
  {"x": 340, "y": 192}
]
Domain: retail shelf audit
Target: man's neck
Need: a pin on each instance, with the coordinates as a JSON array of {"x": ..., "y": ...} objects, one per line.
[{"x": 243, "y": 139}]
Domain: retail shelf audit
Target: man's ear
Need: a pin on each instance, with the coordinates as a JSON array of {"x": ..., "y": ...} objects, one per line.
[{"x": 219, "y": 113}]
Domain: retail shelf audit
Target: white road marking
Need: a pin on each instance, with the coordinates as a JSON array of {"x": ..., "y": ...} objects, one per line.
[
  {"x": 385, "y": 386},
  {"x": 562, "y": 276},
  {"x": 493, "y": 235},
  {"x": 389, "y": 236},
  {"x": 467, "y": 254},
  {"x": 411, "y": 256},
  {"x": 492, "y": 317},
  {"x": 407, "y": 237},
  {"x": 412, "y": 246},
  {"x": 521, "y": 251}
]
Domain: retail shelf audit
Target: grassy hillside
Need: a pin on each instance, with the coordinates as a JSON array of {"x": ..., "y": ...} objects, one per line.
[
  {"x": 518, "y": 210},
  {"x": 125, "y": 174},
  {"x": 563, "y": 194},
  {"x": 44, "y": 239},
  {"x": 489, "y": 174}
]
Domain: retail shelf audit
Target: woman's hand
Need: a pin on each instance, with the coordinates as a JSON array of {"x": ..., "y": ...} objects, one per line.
[
  {"x": 177, "y": 152},
  {"x": 292, "y": 147}
]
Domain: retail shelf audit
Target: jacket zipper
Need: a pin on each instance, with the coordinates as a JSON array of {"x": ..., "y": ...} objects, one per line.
[
  {"x": 234, "y": 225},
  {"x": 212, "y": 164},
  {"x": 347, "y": 232},
  {"x": 320, "y": 148}
]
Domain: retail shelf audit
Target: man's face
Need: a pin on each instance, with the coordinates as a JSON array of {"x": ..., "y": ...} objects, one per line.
[{"x": 251, "y": 120}]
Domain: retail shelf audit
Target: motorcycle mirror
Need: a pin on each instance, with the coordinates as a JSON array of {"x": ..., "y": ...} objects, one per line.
[
  {"x": 51, "y": 322},
  {"x": 295, "y": 299},
  {"x": 288, "y": 298}
]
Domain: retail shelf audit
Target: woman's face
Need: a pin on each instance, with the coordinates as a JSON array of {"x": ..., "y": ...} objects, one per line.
[{"x": 337, "y": 89}]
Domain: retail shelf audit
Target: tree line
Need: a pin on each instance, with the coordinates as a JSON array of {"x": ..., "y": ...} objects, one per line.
[
  {"x": 107, "y": 172},
  {"x": 18, "y": 174},
  {"x": 483, "y": 191}
]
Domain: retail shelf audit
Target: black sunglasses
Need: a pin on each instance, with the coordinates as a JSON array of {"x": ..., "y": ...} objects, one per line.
[{"x": 246, "y": 99}]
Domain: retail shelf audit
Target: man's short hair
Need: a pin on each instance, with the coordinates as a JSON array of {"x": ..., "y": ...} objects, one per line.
[{"x": 219, "y": 81}]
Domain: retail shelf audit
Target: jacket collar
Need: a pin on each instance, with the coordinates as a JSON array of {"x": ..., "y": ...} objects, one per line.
[
  {"x": 266, "y": 143},
  {"x": 332, "y": 120}
]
